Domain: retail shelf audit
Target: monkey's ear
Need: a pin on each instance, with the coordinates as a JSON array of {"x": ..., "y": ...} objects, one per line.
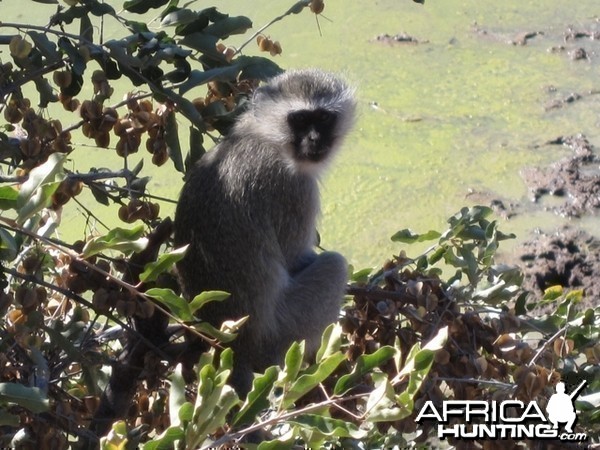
[{"x": 262, "y": 93}]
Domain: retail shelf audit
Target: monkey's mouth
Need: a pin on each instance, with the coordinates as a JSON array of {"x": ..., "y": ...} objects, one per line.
[{"x": 312, "y": 152}]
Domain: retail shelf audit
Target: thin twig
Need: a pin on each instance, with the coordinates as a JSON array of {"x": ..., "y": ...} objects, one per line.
[
  {"x": 546, "y": 344},
  {"x": 282, "y": 417},
  {"x": 292, "y": 10},
  {"x": 9, "y": 224}
]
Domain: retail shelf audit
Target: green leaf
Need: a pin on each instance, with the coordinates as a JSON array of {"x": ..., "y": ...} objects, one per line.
[
  {"x": 100, "y": 9},
  {"x": 78, "y": 63},
  {"x": 310, "y": 380},
  {"x": 165, "y": 440},
  {"x": 186, "y": 412},
  {"x": 228, "y": 26},
  {"x": 257, "y": 68},
  {"x": 117, "y": 239},
  {"x": 46, "y": 92},
  {"x": 8, "y": 197},
  {"x": 9, "y": 420},
  {"x": 413, "y": 358},
  {"x": 283, "y": 443},
  {"x": 178, "y": 306},
  {"x": 408, "y": 236},
  {"x": 142, "y": 6},
  {"x": 424, "y": 359},
  {"x": 258, "y": 398},
  {"x": 297, "y": 7},
  {"x": 381, "y": 404},
  {"x": 202, "y": 42},
  {"x": 362, "y": 275},
  {"x": 552, "y": 293},
  {"x": 197, "y": 150},
  {"x": 198, "y": 77},
  {"x": 46, "y": 47},
  {"x": 31, "y": 398},
  {"x": 331, "y": 341},
  {"x": 86, "y": 29},
  {"x": 214, "y": 401},
  {"x": 42, "y": 198},
  {"x": 178, "y": 17},
  {"x": 364, "y": 365},
  {"x": 176, "y": 395},
  {"x": 172, "y": 140},
  {"x": 471, "y": 263},
  {"x": 575, "y": 296},
  {"x": 35, "y": 193},
  {"x": 162, "y": 264},
  {"x": 329, "y": 426},
  {"x": 8, "y": 245},
  {"x": 209, "y": 330},
  {"x": 39, "y": 176},
  {"x": 293, "y": 361},
  {"x": 206, "y": 297}
]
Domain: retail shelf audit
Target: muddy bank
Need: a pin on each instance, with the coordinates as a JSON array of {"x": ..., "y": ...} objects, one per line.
[
  {"x": 569, "y": 257},
  {"x": 573, "y": 180}
]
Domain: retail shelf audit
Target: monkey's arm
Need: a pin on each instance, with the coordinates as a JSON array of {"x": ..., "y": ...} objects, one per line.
[{"x": 312, "y": 300}]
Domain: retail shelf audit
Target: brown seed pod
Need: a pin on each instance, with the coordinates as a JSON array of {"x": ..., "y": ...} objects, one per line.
[
  {"x": 128, "y": 144},
  {"x": 99, "y": 77},
  {"x": 42, "y": 294},
  {"x": 154, "y": 210},
  {"x": 144, "y": 309},
  {"x": 31, "y": 147},
  {"x": 31, "y": 264},
  {"x": 19, "y": 47},
  {"x": 90, "y": 110},
  {"x": 60, "y": 197},
  {"x": 160, "y": 157},
  {"x": 276, "y": 49},
  {"x": 264, "y": 43},
  {"x": 122, "y": 126},
  {"x": 110, "y": 116},
  {"x": 146, "y": 105},
  {"x": 124, "y": 213},
  {"x": 76, "y": 284},
  {"x": 317, "y": 6},
  {"x": 126, "y": 308},
  {"x": 71, "y": 105},
  {"x": 102, "y": 139},
  {"x": 16, "y": 317},
  {"x": 156, "y": 145},
  {"x": 12, "y": 113},
  {"x": 100, "y": 300},
  {"x": 62, "y": 78},
  {"x": 73, "y": 187}
]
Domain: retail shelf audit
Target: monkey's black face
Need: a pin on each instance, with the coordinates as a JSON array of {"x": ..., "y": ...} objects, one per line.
[{"x": 312, "y": 133}]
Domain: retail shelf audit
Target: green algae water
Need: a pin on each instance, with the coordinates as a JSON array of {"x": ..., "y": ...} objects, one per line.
[{"x": 461, "y": 111}]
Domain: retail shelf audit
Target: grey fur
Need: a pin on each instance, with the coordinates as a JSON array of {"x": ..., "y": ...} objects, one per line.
[{"x": 249, "y": 210}]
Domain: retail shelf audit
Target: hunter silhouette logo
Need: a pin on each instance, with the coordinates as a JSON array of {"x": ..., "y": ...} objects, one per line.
[
  {"x": 508, "y": 419},
  {"x": 561, "y": 407}
]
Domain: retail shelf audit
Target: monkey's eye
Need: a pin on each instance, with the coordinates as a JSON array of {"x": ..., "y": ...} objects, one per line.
[
  {"x": 300, "y": 119},
  {"x": 324, "y": 116}
]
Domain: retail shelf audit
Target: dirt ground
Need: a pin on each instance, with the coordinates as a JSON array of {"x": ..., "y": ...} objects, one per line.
[{"x": 569, "y": 256}]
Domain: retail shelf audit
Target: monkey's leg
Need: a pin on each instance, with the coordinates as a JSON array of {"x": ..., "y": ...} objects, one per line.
[{"x": 311, "y": 301}]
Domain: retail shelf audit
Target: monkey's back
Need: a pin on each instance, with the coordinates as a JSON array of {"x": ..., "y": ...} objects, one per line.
[{"x": 247, "y": 217}]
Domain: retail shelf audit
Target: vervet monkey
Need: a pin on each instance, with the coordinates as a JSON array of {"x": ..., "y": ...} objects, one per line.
[{"x": 248, "y": 211}]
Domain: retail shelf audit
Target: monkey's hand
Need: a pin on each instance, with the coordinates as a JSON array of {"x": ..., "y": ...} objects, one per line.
[{"x": 306, "y": 259}]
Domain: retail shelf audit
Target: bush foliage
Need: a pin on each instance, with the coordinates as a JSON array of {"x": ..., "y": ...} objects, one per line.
[{"x": 448, "y": 324}]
